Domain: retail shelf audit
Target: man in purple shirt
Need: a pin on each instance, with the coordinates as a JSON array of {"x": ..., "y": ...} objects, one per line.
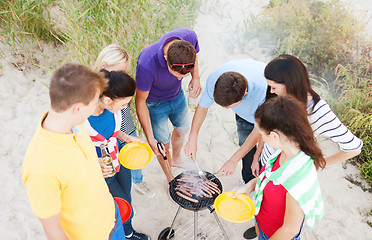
[{"x": 159, "y": 96}]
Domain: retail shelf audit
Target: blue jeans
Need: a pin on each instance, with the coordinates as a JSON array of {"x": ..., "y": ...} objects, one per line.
[
  {"x": 244, "y": 128},
  {"x": 263, "y": 236},
  {"x": 174, "y": 110},
  {"x": 120, "y": 186},
  {"x": 118, "y": 232},
  {"x": 136, "y": 174}
]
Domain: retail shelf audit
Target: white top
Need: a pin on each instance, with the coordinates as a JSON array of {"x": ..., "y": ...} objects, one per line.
[{"x": 324, "y": 122}]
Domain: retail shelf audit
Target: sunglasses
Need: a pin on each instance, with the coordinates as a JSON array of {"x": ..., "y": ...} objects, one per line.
[{"x": 178, "y": 67}]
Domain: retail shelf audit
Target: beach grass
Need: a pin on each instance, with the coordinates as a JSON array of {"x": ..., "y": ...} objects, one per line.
[
  {"x": 85, "y": 27},
  {"x": 22, "y": 19},
  {"x": 332, "y": 43},
  {"x": 324, "y": 33},
  {"x": 354, "y": 108}
]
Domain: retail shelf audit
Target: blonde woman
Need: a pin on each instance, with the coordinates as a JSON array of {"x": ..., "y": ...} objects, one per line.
[{"x": 114, "y": 58}]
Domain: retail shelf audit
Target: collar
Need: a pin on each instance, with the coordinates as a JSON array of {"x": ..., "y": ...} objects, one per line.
[
  {"x": 57, "y": 138},
  {"x": 161, "y": 58}
]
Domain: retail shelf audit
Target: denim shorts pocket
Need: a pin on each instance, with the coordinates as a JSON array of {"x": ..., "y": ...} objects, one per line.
[{"x": 152, "y": 104}]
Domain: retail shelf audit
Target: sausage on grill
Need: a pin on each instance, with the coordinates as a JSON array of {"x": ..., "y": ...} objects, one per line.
[{"x": 186, "y": 197}]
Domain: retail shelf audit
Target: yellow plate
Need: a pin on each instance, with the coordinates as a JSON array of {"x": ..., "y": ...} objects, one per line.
[
  {"x": 135, "y": 155},
  {"x": 239, "y": 209}
]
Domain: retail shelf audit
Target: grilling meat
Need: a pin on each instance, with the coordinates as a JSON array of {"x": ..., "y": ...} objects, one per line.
[
  {"x": 186, "y": 197},
  {"x": 192, "y": 187}
]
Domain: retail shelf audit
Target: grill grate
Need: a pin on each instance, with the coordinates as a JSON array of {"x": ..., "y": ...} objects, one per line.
[{"x": 203, "y": 202}]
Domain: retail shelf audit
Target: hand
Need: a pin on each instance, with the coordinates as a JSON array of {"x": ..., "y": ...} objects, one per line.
[
  {"x": 246, "y": 188},
  {"x": 228, "y": 168},
  {"x": 154, "y": 146},
  {"x": 106, "y": 170},
  {"x": 133, "y": 139},
  {"x": 190, "y": 149},
  {"x": 255, "y": 167},
  {"x": 194, "y": 88},
  {"x": 241, "y": 189}
]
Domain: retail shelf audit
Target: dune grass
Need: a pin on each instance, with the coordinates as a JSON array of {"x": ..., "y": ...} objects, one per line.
[
  {"x": 331, "y": 42},
  {"x": 86, "y": 26},
  {"x": 322, "y": 33},
  {"x": 23, "y": 19},
  {"x": 354, "y": 108}
]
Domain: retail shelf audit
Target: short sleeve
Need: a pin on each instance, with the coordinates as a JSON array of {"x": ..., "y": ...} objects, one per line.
[
  {"x": 144, "y": 78},
  {"x": 193, "y": 39},
  {"x": 44, "y": 192},
  {"x": 207, "y": 98}
]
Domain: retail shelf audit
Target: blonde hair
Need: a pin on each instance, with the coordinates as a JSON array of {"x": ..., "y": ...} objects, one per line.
[{"x": 112, "y": 54}]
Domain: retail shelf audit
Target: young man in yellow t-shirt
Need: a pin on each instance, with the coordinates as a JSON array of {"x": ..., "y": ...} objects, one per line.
[{"x": 61, "y": 171}]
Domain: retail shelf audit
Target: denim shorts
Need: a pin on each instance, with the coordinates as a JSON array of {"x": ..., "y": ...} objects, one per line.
[
  {"x": 174, "y": 110},
  {"x": 263, "y": 236}
]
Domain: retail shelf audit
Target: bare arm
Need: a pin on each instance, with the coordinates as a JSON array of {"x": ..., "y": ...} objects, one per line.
[
  {"x": 128, "y": 138},
  {"x": 293, "y": 218},
  {"x": 256, "y": 158},
  {"x": 144, "y": 118},
  {"x": 52, "y": 228},
  {"x": 195, "y": 81},
  {"x": 341, "y": 156},
  {"x": 198, "y": 119},
  {"x": 229, "y": 167},
  {"x": 246, "y": 188}
]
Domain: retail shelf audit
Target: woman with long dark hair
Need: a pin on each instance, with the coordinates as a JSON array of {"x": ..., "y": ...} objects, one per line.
[
  {"x": 287, "y": 190},
  {"x": 287, "y": 75}
]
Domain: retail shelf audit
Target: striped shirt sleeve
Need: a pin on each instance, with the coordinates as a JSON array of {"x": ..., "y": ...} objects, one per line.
[
  {"x": 267, "y": 150},
  {"x": 127, "y": 123},
  {"x": 324, "y": 122}
]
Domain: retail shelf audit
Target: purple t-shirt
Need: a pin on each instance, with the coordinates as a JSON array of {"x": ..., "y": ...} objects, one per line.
[{"x": 152, "y": 70}]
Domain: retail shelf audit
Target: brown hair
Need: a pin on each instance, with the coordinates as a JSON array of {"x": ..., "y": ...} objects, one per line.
[
  {"x": 289, "y": 116},
  {"x": 72, "y": 83},
  {"x": 290, "y": 71},
  {"x": 229, "y": 88},
  {"x": 181, "y": 52}
]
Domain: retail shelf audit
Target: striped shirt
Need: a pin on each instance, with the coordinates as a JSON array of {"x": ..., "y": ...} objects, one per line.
[
  {"x": 127, "y": 123},
  {"x": 324, "y": 122},
  {"x": 298, "y": 176}
]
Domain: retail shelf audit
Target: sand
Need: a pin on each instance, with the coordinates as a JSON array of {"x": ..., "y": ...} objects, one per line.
[{"x": 24, "y": 98}]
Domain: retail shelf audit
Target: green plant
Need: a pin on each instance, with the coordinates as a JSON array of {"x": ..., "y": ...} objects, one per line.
[
  {"x": 22, "y": 18},
  {"x": 354, "y": 108},
  {"x": 321, "y": 33},
  {"x": 330, "y": 41},
  {"x": 91, "y": 25}
]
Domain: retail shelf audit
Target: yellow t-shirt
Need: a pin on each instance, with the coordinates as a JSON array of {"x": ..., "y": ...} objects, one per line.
[{"x": 62, "y": 174}]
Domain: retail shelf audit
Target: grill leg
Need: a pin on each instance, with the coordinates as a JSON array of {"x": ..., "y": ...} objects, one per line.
[
  {"x": 220, "y": 225},
  {"x": 174, "y": 220},
  {"x": 195, "y": 225}
]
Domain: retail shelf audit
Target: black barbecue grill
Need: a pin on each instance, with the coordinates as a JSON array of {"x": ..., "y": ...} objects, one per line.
[{"x": 203, "y": 202}]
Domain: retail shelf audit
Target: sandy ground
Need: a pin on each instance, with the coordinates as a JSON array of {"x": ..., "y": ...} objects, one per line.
[{"x": 24, "y": 98}]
